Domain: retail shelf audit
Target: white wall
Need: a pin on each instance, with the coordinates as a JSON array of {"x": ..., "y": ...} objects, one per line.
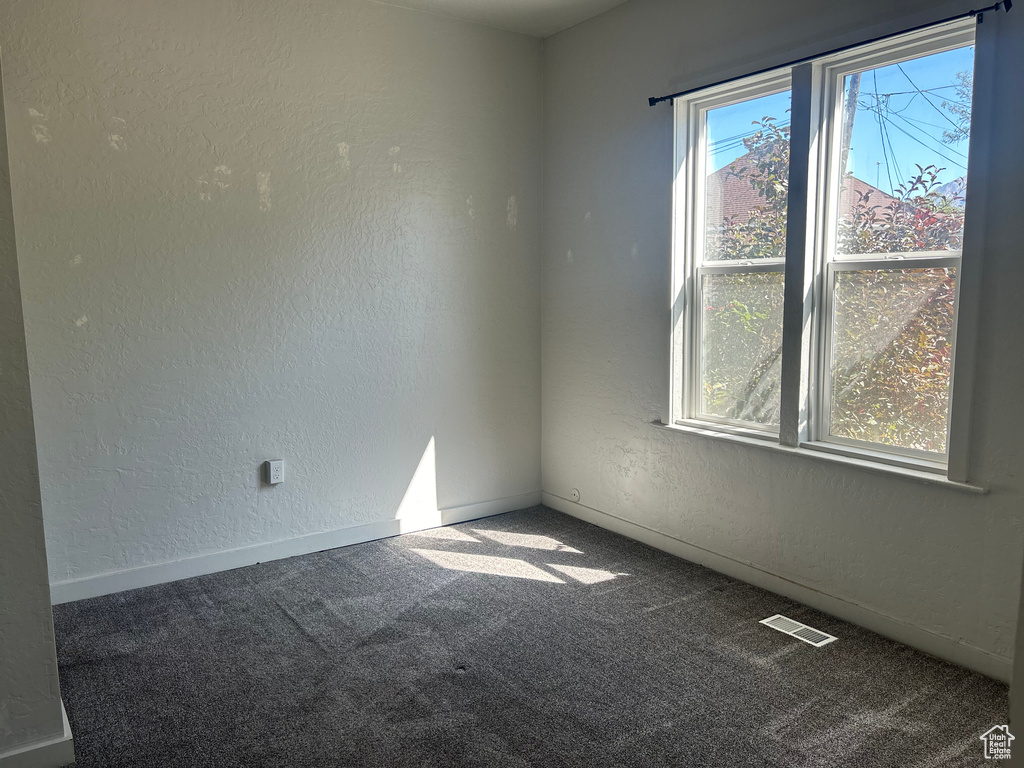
[
  {"x": 30, "y": 708},
  {"x": 933, "y": 566},
  {"x": 304, "y": 229}
]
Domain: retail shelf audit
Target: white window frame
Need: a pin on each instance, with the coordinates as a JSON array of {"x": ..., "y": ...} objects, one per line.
[{"x": 811, "y": 265}]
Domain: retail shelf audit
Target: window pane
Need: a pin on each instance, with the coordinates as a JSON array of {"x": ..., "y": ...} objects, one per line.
[
  {"x": 891, "y": 354},
  {"x": 741, "y": 350},
  {"x": 903, "y": 155},
  {"x": 747, "y": 184}
]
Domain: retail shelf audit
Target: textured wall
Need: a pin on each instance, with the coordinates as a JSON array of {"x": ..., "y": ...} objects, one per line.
[
  {"x": 937, "y": 559},
  {"x": 29, "y": 688},
  {"x": 305, "y": 229}
]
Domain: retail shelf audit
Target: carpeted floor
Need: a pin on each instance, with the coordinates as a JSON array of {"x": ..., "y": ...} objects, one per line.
[{"x": 528, "y": 639}]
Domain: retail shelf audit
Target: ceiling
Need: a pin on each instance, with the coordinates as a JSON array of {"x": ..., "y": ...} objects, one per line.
[{"x": 539, "y": 18}]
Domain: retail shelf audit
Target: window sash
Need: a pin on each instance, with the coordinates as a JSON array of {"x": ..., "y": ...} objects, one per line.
[
  {"x": 742, "y": 267},
  {"x": 695, "y": 383},
  {"x": 822, "y": 426},
  {"x": 891, "y": 258},
  {"x": 688, "y": 248}
]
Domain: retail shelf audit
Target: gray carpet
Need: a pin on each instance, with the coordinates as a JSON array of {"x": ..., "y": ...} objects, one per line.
[{"x": 528, "y": 639}]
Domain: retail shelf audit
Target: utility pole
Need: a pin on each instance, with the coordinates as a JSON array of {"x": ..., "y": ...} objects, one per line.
[{"x": 849, "y": 111}]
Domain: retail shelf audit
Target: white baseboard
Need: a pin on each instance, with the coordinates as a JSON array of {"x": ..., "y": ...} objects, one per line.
[
  {"x": 51, "y": 752},
  {"x": 998, "y": 667},
  {"x": 148, "y": 575}
]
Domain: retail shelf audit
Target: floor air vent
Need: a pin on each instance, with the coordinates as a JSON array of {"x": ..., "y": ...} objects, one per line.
[{"x": 809, "y": 635}]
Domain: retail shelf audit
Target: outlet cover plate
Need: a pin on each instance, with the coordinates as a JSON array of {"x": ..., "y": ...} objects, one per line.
[{"x": 273, "y": 471}]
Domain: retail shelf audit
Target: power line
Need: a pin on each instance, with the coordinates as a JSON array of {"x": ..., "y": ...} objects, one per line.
[
  {"x": 930, "y": 102},
  {"x": 929, "y": 136},
  {"x": 907, "y": 106},
  {"x": 881, "y": 134},
  {"x": 922, "y": 90},
  {"x": 733, "y": 142},
  {"x": 914, "y": 123},
  {"x": 748, "y": 134},
  {"x": 914, "y": 138},
  {"x": 892, "y": 151}
]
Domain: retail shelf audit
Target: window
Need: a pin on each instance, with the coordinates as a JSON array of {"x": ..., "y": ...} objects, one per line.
[{"x": 857, "y": 356}]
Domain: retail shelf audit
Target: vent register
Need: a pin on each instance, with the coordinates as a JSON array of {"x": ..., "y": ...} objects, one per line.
[{"x": 788, "y": 626}]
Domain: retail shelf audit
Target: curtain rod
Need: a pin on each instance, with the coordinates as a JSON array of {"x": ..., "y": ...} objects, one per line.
[{"x": 1006, "y": 5}]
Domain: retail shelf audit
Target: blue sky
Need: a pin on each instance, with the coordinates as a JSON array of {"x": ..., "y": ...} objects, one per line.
[{"x": 909, "y": 97}]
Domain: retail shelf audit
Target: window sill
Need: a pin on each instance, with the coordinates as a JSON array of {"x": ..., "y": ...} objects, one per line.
[{"x": 808, "y": 451}]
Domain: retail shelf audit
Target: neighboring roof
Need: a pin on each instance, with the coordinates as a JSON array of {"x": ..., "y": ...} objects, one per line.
[{"x": 731, "y": 196}]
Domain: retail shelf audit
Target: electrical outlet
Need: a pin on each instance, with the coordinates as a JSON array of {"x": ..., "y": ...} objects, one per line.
[
  {"x": 273, "y": 471},
  {"x": 574, "y": 494}
]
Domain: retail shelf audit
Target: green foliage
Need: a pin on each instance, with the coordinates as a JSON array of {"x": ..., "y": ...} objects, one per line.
[
  {"x": 919, "y": 217},
  {"x": 763, "y": 235},
  {"x": 742, "y": 353},
  {"x": 960, "y": 108},
  {"x": 892, "y": 327},
  {"x": 892, "y": 356}
]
